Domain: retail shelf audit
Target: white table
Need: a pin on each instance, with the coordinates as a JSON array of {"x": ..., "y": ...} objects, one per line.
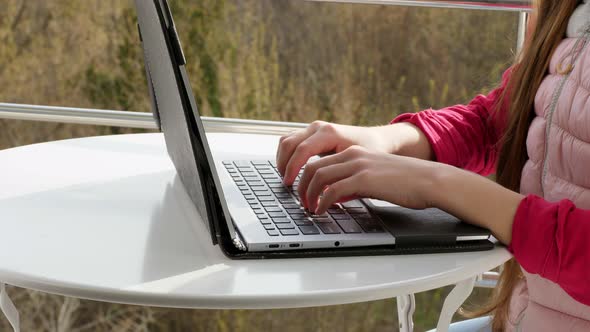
[{"x": 106, "y": 218}]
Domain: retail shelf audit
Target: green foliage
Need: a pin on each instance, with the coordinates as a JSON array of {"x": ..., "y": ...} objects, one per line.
[{"x": 122, "y": 87}]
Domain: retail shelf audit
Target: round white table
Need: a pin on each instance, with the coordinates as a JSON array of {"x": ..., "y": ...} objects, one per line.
[{"x": 107, "y": 218}]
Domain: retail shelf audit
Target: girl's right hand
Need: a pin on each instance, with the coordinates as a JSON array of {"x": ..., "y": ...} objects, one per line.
[{"x": 321, "y": 137}]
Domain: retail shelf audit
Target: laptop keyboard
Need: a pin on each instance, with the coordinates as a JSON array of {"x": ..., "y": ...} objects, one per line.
[{"x": 279, "y": 211}]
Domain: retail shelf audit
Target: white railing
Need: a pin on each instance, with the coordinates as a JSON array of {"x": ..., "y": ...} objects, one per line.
[
  {"x": 497, "y": 5},
  {"x": 141, "y": 120}
]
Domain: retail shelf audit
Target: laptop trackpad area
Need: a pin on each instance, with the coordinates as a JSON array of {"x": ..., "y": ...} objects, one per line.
[{"x": 424, "y": 227}]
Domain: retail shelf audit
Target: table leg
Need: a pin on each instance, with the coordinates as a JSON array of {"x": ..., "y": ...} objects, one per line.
[
  {"x": 406, "y": 305},
  {"x": 453, "y": 301},
  {"x": 8, "y": 308}
]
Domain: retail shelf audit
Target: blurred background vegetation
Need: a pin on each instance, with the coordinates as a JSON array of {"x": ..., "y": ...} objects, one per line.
[{"x": 286, "y": 60}]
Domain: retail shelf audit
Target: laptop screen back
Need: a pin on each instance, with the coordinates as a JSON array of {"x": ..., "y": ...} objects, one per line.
[{"x": 174, "y": 106}]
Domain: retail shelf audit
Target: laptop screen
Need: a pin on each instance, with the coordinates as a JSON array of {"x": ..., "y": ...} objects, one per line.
[{"x": 174, "y": 107}]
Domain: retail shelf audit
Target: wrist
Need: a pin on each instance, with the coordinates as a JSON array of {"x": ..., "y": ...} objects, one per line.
[
  {"x": 475, "y": 199},
  {"x": 440, "y": 180},
  {"x": 405, "y": 139}
]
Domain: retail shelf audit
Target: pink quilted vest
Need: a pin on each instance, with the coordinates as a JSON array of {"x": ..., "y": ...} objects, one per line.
[{"x": 558, "y": 146}]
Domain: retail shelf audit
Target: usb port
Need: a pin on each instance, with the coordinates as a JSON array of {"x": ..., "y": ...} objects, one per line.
[
  {"x": 294, "y": 245},
  {"x": 273, "y": 246}
]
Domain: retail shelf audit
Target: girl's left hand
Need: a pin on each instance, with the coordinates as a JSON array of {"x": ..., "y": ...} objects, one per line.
[{"x": 359, "y": 172}]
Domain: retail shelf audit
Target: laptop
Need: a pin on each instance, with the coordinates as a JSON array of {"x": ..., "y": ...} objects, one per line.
[{"x": 248, "y": 210}]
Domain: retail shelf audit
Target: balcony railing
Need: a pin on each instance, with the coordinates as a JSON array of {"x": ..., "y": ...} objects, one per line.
[{"x": 146, "y": 121}]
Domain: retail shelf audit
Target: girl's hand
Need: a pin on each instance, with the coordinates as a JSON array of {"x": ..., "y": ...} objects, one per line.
[
  {"x": 320, "y": 137},
  {"x": 409, "y": 182},
  {"x": 360, "y": 172}
]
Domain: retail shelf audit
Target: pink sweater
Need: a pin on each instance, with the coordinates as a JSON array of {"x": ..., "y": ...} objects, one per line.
[{"x": 551, "y": 239}]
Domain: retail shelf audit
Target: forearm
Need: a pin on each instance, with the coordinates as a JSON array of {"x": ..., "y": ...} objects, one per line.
[
  {"x": 475, "y": 199},
  {"x": 405, "y": 139}
]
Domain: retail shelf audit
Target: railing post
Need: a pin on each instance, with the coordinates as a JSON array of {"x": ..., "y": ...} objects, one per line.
[{"x": 521, "y": 34}]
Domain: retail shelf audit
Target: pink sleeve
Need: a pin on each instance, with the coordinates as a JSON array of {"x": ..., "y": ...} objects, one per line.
[
  {"x": 552, "y": 240},
  {"x": 464, "y": 136}
]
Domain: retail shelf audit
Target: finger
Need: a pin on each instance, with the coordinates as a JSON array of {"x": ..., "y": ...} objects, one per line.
[
  {"x": 324, "y": 177},
  {"x": 284, "y": 137},
  {"x": 343, "y": 188},
  {"x": 313, "y": 145},
  {"x": 287, "y": 145},
  {"x": 311, "y": 169}
]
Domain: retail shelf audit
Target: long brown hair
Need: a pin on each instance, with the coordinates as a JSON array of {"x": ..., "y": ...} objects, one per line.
[{"x": 547, "y": 28}]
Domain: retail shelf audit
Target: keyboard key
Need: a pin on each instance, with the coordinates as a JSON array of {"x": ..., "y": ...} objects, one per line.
[
  {"x": 243, "y": 186},
  {"x": 302, "y": 222},
  {"x": 289, "y": 232},
  {"x": 246, "y": 192},
  {"x": 292, "y": 206},
  {"x": 273, "y": 209},
  {"x": 256, "y": 206},
  {"x": 269, "y": 227},
  {"x": 285, "y": 226},
  {"x": 287, "y": 200},
  {"x": 263, "y": 193},
  {"x": 362, "y": 216},
  {"x": 353, "y": 204},
  {"x": 299, "y": 216},
  {"x": 323, "y": 220},
  {"x": 277, "y": 215},
  {"x": 357, "y": 210},
  {"x": 281, "y": 220},
  {"x": 258, "y": 187},
  {"x": 266, "y": 171},
  {"x": 273, "y": 232},
  {"x": 309, "y": 230},
  {"x": 349, "y": 226},
  {"x": 226, "y": 162},
  {"x": 266, "y": 199},
  {"x": 336, "y": 211},
  {"x": 329, "y": 228},
  {"x": 297, "y": 210},
  {"x": 248, "y": 173},
  {"x": 269, "y": 203},
  {"x": 276, "y": 185},
  {"x": 341, "y": 216},
  {"x": 242, "y": 163},
  {"x": 283, "y": 195},
  {"x": 265, "y": 221},
  {"x": 260, "y": 162},
  {"x": 275, "y": 181}
]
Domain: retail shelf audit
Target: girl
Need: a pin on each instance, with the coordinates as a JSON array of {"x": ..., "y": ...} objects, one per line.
[{"x": 533, "y": 131}]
